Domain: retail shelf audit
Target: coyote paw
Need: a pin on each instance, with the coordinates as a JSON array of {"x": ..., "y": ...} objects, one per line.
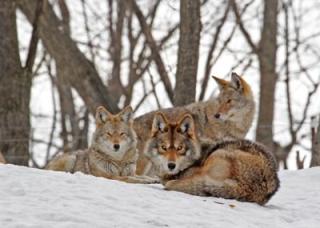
[
  {"x": 169, "y": 185},
  {"x": 147, "y": 180}
]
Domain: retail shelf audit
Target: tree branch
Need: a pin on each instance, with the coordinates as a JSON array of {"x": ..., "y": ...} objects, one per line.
[
  {"x": 242, "y": 27},
  {"x": 154, "y": 49}
]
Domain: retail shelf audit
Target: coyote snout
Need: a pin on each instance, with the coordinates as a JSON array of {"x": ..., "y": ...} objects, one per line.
[
  {"x": 114, "y": 139},
  {"x": 170, "y": 158},
  {"x": 171, "y": 166},
  {"x": 171, "y": 161}
]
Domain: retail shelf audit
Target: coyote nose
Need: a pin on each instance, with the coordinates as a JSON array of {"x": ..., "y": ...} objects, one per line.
[
  {"x": 171, "y": 165},
  {"x": 116, "y": 146},
  {"x": 217, "y": 115}
]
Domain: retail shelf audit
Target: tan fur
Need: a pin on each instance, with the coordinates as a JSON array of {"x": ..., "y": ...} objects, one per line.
[
  {"x": 234, "y": 169},
  {"x": 2, "y": 160},
  {"x": 234, "y": 105},
  {"x": 112, "y": 153}
]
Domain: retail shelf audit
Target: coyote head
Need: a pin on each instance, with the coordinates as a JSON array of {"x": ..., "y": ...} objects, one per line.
[
  {"x": 114, "y": 134},
  {"x": 173, "y": 147},
  {"x": 235, "y": 99}
]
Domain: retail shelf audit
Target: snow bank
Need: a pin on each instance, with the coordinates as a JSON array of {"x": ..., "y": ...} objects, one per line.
[{"x": 37, "y": 198}]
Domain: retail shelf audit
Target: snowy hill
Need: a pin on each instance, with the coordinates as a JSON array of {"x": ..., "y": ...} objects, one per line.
[{"x": 38, "y": 198}]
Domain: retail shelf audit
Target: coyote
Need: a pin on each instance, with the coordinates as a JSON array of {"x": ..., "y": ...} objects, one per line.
[
  {"x": 112, "y": 153},
  {"x": 234, "y": 169},
  {"x": 2, "y": 160},
  {"x": 229, "y": 116}
]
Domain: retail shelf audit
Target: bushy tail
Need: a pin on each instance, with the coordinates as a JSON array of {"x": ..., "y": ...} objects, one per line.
[
  {"x": 64, "y": 162},
  {"x": 272, "y": 186}
]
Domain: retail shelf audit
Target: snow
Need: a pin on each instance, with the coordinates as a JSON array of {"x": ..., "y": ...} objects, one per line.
[{"x": 38, "y": 198}]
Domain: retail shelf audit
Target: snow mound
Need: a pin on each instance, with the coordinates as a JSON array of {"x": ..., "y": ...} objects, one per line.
[{"x": 38, "y": 198}]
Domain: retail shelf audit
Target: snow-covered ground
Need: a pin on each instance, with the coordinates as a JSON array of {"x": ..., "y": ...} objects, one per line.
[{"x": 38, "y": 198}]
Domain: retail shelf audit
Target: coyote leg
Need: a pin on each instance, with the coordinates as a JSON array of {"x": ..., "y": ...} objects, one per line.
[
  {"x": 201, "y": 186},
  {"x": 138, "y": 179},
  {"x": 127, "y": 179},
  {"x": 191, "y": 185}
]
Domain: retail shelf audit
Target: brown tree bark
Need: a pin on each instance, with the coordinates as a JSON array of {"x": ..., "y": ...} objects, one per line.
[
  {"x": 268, "y": 77},
  {"x": 188, "y": 53},
  {"x": 266, "y": 52},
  {"x": 15, "y": 85},
  {"x": 315, "y": 139},
  {"x": 80, "y": 71},
  {"x": 67, "y": 106},
  {"x": 67, "y": 110},
  {"x": 115, "y": 50}
]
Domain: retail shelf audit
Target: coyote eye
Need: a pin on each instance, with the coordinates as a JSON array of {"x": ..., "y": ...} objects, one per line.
[
  {"x": 179, "y": 148},
  {"x": 164, "y": 147},
  {"x": 109, "y": 134},
  {"x": 122, "y": 134},
  {"x": 229, "y": 101},
  {"x": 182, "y": 152}
]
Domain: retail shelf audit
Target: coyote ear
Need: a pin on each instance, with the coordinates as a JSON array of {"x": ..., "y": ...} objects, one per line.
[
  {"x": 236, "y": 81},
  {"x": 102, "y": 115},
  {"x": 221, "y": 82},
  {"x": 126, "y": 114},
  {"x": 186, "y": 125},
  {"x": 160, "y": 123}
]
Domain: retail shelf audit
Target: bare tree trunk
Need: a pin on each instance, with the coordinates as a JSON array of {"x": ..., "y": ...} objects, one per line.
[
  {"x": 15, "y": 85},
  {"x": 2, "y": 160},
  {"x": 315, "y": 133},
  {"x": 67, "y": 110},
  {"x": 115, "y": 50},
  {"x": 266, "y": 51},
  {"x": 268, "y": 77},
  {"x": 82, "y": 141},
  {"x": 188, "y": 54},
  {"x": 80, "y": 71},
  {"x": 67, "y": 107},
  {"x": 299, "y": 160}
]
